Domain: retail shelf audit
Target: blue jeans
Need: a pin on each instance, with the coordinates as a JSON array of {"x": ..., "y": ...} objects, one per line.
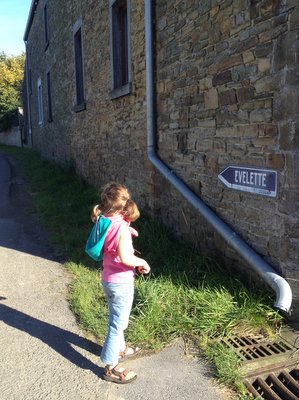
[{"x": 120, "y": 299}]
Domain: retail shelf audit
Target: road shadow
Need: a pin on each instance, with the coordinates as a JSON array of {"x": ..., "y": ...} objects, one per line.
[
  {"x": 60, "y": 340},
  {"x": 21, "y": 228}
]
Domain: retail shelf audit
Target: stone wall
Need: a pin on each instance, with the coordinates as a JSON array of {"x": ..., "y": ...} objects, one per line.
[
  {"x": 106, "y": 141},
  {"x": 227, "y": 83},
  {"x": 11, "y": 137},
  {"x": 227, "y": 89}
]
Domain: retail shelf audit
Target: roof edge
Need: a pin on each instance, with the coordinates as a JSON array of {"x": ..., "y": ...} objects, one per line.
[{"x": 33, "y": 6}]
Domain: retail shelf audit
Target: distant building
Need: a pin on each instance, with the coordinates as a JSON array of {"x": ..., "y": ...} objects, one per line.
[{"x": 226, "y": 94}]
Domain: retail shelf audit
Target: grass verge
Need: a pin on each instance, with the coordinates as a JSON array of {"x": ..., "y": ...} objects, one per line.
[{"x": 187, "y": 294}]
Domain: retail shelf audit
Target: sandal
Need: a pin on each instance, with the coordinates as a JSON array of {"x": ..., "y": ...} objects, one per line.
[
  {"x": 120, "y": 375},
  {"x": 129, "y": 352}
]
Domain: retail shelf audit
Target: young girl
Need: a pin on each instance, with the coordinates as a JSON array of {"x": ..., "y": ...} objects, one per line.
[{"x": 119, "y": 265}]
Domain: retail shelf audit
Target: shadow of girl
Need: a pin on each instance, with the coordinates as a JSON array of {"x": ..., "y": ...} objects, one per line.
[{"x": 58, "y": 339}]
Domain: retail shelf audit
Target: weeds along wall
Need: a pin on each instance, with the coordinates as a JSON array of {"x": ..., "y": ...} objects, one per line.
[{"x": 226, "y": 94}]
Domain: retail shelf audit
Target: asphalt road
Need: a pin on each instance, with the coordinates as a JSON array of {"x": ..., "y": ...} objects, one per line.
[{"x": 43, "y": 353}]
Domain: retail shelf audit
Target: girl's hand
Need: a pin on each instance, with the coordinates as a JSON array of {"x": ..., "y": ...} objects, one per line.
[{"x": 144, "y": 269}]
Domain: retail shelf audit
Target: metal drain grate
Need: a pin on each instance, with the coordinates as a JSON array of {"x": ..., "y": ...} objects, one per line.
[
  {"x": 270, "y": 368},
  {"x": 250, "y": 348},
  {"x": 284, "y": 386}
]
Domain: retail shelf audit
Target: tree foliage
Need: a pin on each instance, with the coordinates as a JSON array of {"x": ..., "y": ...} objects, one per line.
[{"x": 11, "y": 77}]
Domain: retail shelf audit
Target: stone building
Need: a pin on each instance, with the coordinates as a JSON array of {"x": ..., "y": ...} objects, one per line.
[{"x": 225, "y": 112}]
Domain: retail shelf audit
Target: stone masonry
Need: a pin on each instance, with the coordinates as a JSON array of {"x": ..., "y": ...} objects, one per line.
[{"x": 226, "y": 94}]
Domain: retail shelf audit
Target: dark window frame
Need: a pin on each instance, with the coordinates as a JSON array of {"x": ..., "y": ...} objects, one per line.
[
  {"x": 46, "y": 25},
  {"x": 79, "y": 66},
  {"x": 120, "y": 41},
  {"x": 49, "y": 95},
  {"x": 40, "y": 102}
]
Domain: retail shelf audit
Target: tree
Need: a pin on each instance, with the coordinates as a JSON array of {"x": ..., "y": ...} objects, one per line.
[{"x": 11, "y": 77}]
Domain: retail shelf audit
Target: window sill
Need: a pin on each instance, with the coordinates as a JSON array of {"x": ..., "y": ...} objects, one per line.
[
  {"x": 79, "y": 107},
  {"x": 121, "y": 91}
]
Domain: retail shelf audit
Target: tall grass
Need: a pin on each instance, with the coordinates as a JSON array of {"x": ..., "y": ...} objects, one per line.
[{"x": 187, "y": 294}]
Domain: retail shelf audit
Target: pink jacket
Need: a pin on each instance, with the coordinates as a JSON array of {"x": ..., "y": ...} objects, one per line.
[{"x": 113, "y": 269}]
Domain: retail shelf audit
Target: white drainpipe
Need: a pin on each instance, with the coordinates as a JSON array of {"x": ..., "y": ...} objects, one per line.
[{"x": 280, "y": 285}]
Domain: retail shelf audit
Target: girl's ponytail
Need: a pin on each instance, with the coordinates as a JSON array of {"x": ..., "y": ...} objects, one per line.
[
  {"x": 95, "y": 213},
  {"x": 131, "y": 211}
]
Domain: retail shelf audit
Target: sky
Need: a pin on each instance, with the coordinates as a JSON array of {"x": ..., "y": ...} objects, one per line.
[{"x": 13, "y": 20}]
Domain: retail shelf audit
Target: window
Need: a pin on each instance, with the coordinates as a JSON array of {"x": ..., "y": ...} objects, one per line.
[
  {"x": 46, "y": 26},
  {"x": 50, "y": 115},
  {"x": 40, "y": 102},
  {"x": 120, "y": 45},
  {"x": 79, "y": 72}
]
